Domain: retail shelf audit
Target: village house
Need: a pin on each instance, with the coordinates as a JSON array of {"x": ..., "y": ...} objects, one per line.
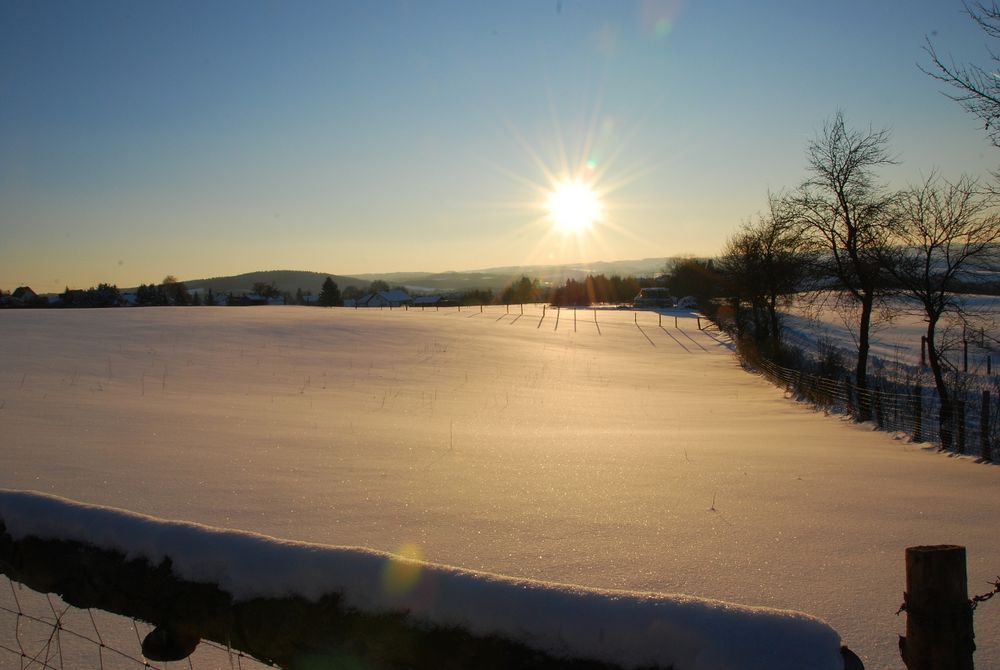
[{"x": 393, "y": 298}]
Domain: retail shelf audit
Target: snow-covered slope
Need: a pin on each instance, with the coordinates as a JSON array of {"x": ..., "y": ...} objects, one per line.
[{"x": 620, "y": 456}]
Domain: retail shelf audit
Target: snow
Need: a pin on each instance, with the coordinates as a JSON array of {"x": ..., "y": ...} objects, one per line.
[
  {"x": 632, "y": 629},
  {"x": 632, "y": 457},
  {"x": 896, "y": 341}
]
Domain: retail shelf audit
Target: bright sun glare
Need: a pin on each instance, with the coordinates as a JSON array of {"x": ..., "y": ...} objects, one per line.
[{"x": 573, "y": 206}]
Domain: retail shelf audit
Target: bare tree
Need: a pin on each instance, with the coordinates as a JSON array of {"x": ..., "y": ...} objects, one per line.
[
  {"x": 977, "y": 89},
  {"x": 763, "y": 262},
  {"x": 844, "y": 211},
  {"x": 944, "y": 231}
]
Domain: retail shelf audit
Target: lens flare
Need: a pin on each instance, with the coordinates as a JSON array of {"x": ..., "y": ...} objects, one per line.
[{"x": 402, "y": 571}]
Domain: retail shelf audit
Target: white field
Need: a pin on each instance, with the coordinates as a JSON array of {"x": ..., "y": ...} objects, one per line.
[
  {"x": 633, "y": 457},
  {"x": 896, "y": 340}
]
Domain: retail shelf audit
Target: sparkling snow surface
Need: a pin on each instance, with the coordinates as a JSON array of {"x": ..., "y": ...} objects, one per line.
[
  {"x": 630, "y": 457},
  {"x": 632, "y": 629}
]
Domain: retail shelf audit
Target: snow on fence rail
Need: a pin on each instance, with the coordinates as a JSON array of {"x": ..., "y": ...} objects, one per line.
[{"x": 289, "y": 603}]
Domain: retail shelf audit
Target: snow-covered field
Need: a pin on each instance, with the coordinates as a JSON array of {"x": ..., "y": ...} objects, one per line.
[
  {"x": 621, "y": 455},
  {"x": 896, "y": 340}
]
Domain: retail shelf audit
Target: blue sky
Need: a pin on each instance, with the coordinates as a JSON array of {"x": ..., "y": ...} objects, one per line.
[{"x": 209, "y": 138}]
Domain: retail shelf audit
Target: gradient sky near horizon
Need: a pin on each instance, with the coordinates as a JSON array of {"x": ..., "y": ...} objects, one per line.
[{"x": 202, "y": 139}]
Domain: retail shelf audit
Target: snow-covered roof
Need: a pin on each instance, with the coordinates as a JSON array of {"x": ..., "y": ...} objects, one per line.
[
  {"x": 395, "y": 296},
  {"x": 387, "y": 297}
]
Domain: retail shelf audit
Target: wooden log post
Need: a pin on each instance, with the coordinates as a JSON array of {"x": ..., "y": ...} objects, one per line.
[{"x": 939, "y": 631}]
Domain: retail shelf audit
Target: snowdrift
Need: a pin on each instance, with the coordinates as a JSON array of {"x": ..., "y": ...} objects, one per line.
[{"x": 346, "y": 600}]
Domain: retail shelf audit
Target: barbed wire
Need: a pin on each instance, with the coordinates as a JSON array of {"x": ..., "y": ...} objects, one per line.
[
  {"x": 972, "y": 603},
  {"x": 975, "y": 600}
]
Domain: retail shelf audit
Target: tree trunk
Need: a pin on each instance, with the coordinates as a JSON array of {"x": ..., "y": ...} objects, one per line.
[
  {"x": 772, "y": 310},
  {"x": 864, "y": 344},
  {"x": 945, "y": 411}
]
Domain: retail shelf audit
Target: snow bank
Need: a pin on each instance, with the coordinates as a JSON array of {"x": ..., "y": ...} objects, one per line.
[{"x": 627, "y": 628}]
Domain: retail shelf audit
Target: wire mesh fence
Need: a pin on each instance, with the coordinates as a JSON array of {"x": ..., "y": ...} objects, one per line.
[
  {"x": 42, "y": 631},
  {"x": 971, "y": 427}
]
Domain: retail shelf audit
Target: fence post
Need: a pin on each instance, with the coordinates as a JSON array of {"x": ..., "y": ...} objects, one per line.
[
  {"x": 877, "y": 408},
  {"x": 923, "y": 351},
  {"x": 984, "y": 428},
  {"x": 918, "y": 413},
  {"x": 960, "y": 417},
  {"x": 939, "y": 630},
  {"x": 699, "y": 323},
  {"x": 675, "y": 321}
]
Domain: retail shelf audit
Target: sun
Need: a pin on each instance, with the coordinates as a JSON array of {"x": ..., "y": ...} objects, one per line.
[{"x": 573, "y": 206}]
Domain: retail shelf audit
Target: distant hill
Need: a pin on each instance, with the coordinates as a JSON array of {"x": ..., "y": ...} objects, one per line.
[
  {"x": 489, "y": 278},
  {"x": 500, "y": 277},
  {"x": 283, "y": 280}
]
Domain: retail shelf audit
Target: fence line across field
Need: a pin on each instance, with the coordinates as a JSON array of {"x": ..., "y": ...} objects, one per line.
[{"x": 914, "y": 412}]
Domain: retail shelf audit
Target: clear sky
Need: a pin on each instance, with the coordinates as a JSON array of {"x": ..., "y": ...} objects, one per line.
[{"x": 212, "y": 138}]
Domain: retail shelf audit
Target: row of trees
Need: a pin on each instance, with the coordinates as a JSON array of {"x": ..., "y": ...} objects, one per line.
[{"x": 842, "y": 230}]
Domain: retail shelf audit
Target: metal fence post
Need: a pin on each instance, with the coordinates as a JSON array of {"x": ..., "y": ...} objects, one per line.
[
  {"x": 960, "y": 418},
  {"x": 918, "y": 412},
  {"x": 984, "y": 428}
]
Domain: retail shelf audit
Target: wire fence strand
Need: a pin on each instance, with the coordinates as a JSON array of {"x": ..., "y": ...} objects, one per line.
[
  {"x": 48, "y": 634},
  {"x": 972, "y": 426}
]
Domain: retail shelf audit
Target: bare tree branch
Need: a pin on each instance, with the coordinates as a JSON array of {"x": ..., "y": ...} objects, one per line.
[{"x": 977, "y": 89}]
